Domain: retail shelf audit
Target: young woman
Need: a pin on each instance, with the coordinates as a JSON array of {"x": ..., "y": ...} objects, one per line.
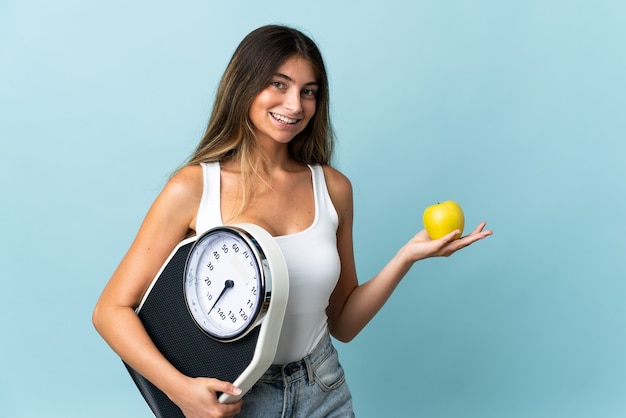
[{"x": 265, "y": 159}]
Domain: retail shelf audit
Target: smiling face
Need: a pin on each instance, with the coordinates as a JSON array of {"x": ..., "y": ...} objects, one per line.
[{"x": 284, "y": 108}]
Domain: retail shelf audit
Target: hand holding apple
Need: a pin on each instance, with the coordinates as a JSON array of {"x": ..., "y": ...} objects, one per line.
[
  {"x": 422, "y": 246},
  {"x": 442, "y": 218},
  {"x": 442, "y": 234}
]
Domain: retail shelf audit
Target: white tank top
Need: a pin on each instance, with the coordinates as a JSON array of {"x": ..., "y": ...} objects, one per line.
[{"x": 312, "y": 261}]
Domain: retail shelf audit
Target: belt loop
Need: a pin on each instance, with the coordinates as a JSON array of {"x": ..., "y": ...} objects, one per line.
[{"x": 309, "y": 370}]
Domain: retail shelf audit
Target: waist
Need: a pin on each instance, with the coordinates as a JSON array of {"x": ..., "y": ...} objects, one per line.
[{"x": 297, "y": 369}]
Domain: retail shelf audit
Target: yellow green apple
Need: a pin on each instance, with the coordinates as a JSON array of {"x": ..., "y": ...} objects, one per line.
[{"x": 442, "y": 218}]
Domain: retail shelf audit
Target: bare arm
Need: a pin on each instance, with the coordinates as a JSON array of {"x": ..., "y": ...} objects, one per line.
[
  {"x": 168, "y": 221},
  {"x": 351, "y": 305}
]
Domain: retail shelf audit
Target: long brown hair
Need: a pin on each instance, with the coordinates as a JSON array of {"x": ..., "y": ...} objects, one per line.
[{"x": 230, "y": 134}]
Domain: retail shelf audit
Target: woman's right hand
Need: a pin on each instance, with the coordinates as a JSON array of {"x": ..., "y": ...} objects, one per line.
[{"x": 198, "y": 398}]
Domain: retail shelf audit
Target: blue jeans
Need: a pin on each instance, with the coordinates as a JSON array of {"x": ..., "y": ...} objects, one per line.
[{"x": 313, "y": 387}]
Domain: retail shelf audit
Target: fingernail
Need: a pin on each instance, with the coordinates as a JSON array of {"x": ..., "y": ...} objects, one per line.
[{"x": 237, "y": 391}]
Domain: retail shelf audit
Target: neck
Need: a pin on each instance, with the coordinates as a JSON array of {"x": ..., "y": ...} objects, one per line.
[{"x": 273, "y": 158}]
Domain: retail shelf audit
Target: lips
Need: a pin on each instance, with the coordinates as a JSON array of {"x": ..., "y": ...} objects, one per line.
[{"x": 284, "y": 119}]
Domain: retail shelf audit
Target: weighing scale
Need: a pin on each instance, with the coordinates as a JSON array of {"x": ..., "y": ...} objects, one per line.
[{"x": 215, "y": 309}]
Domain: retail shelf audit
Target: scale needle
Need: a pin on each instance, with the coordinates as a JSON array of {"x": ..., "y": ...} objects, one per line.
[{"x": 227, "y": 285}]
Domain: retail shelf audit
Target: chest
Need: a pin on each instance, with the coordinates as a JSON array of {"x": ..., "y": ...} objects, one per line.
[{"x": 283, "y": 207}]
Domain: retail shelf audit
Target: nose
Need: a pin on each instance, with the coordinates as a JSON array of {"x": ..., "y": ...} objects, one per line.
[{"x": 293, "y": 101}]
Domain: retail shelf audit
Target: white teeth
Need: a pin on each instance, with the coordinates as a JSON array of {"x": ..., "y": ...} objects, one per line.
[{"x": 283, "y": 118}]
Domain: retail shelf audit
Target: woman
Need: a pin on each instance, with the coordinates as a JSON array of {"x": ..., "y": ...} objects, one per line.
[{"x": 265, "y": 159}]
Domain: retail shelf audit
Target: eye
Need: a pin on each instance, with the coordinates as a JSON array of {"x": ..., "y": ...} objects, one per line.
[
  {"x": 309, "y": 93},
  {"x": 278, "y": 84}
]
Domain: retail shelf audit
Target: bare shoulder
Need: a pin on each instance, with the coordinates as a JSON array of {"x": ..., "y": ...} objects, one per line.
[
  {"x": 187, "y": 182},
  {"x": 339, "y": 188},
  {"x": 189, "y": 178},
  {"x": 336, "y": 179},
  {"x": 179, "y": 200}
]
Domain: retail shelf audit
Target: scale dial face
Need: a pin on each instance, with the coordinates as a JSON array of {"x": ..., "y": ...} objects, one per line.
[{"x": 225, "y": 283}]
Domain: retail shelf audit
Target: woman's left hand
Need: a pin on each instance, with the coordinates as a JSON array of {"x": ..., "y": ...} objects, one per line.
[{"x": 421, "y": 246}]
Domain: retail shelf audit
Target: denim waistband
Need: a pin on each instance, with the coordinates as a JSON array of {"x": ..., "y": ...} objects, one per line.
[{"x": 298, "y": 369}]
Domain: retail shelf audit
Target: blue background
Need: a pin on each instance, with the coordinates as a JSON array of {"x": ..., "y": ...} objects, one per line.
[{"x": 514, "y": 109}]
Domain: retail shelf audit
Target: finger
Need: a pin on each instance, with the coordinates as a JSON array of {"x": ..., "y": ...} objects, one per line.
[
  {"x": 227, "y": 409},
  {"x": 472, "y": 238},
  {"x": 225, "y": 387},
  {"x": 450, "y": 237},
  {"x": 446, "y": 244},
  {"x": 478, "y": 233},
  {"x": 480, "y": 227}
]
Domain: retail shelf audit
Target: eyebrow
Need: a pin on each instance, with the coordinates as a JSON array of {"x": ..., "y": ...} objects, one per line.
[{"x": 286, "y": 77}]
